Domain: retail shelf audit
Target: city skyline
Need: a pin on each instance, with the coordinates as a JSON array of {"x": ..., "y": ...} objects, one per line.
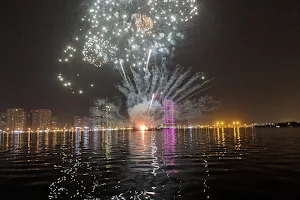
[
  {"x": 102, "y": 115},
  {"x": 150, "y": 99},
  {"x": 250, "y": 48}
]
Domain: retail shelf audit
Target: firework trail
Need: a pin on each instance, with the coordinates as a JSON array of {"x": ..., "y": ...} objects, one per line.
[
  {"x": 179, "y": 85},
  {"x": 149, "y": 55},
  {"x": 151, "y": 102}
]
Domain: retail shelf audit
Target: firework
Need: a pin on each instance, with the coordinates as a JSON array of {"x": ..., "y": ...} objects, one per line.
[
  {"x": 72, "y": 81},
  {"x": 144, "y": 24},
  {"x": 180, "y": 86},
  {"x": 114, "y": 30},
  {"x": 151, "y": 103},
  {"x": 130, "y": 33}
]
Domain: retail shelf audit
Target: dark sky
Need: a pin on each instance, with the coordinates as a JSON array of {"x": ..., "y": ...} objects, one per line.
[{"x": 251, "y": 47}]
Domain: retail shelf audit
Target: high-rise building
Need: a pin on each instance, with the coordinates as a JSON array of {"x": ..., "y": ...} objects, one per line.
[
  {"x": 53, "y": 123},
  {"x": 44, "y": 119},
  {"x": 102, "y": 113},
  {"x": 81, "y": 122},
  {"x": 169, "y": 112},
  {"x": 63, "y": 125},
  {"x": 77, "y": 121},
  {"x": 85, "y": 122},
  {"x": 32, "y": 120},
  {"x": 15, "y": 119},
  {"x": 3, "y": 119}
]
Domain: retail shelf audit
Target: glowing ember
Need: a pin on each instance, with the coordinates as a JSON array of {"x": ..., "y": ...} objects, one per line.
[
  {"x": 143, "y": 127},
  {"x": 144, "y": 24}
]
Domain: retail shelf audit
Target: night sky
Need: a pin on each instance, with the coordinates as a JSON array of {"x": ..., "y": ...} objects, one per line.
[{"x": 251, "y": 47}]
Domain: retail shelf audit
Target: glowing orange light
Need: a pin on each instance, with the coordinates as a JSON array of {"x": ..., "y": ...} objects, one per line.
[
  {"x": 143, "y": 127},
  {"x": 144, "y": 24}
]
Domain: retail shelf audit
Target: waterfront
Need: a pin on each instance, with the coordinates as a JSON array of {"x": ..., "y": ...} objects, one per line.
[{"x": 169, "y": 164}]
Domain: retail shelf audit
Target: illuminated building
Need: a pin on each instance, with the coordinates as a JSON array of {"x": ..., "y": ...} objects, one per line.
[
  {"x": 3, "y": 119},
  {"x": 169, "y": 112},
  {"x": 101, "y": 114},
  {"x": 32, "y": 120},
  {"x": 44, "y": 119},
  {"x": 81, "y": 122},
  {"x": 63, "y": 125},
  {"x": 53, "y": 123},
  {"x": 107, "y": 117},
  {"x": 85, "y": 122},
  {"x": 15, "y": 119},
  {"x": 77, "y": 121}
]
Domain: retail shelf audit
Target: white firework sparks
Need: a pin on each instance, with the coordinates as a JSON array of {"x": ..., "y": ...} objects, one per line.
[
  {"x": 181, "y": 86},
  {"x": 117, "y": 29},
  {"x": 128, "y": 34}
]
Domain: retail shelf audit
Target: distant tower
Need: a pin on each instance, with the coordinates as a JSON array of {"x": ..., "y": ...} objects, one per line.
[
  {"x": 101, "y": 112},
  {"x": 44, "y": 119},
  {"x": 32, "y": 120},
  {"x": 16, "y": 119},
  {"x": 169, "y": 112}
]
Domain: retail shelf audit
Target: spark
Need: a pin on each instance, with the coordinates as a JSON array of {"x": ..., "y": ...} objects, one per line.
[
  {"x": 144, "y": 24},
  {"x": 179, "y": 85},
  {"x": 151, "y": 103},
  {"x": 111, "y": 30},
  {"x": 123, "y": 71},
  {"x": 147, "y": 64}
]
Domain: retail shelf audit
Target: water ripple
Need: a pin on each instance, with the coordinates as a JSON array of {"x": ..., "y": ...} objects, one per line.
[{"x": 169, "y": 164}]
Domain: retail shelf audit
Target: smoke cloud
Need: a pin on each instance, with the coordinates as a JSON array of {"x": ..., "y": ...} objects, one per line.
[{"x": 139, "y": 114}]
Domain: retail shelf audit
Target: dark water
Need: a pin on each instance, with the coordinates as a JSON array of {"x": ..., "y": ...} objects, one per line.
[{"x": 198, "y": 164}]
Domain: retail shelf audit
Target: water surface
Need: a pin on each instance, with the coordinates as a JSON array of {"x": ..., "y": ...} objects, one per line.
[{"x": 169, "y": 164}]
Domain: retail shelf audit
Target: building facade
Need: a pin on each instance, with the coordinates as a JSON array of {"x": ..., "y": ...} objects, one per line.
[
  {"x": 82, "y": 122},
  {"x": 15, "y": 119},
  {"x": 44, "y": 119},
  {"x": 85, "y": 122},
  {"x": 77, "y": 121},
  {"x": 3, "y": 120},
  {"x": 54, "y": 123},
  {"x": 169, "y": 112},
  {"x": 32, "y": 120},
  {"x": 101, "y": 112}
]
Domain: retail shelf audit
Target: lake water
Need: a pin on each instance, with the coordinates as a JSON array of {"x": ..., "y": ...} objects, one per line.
[{"x": 170, "y": 164}]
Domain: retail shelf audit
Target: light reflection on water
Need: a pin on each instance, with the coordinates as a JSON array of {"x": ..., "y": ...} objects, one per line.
[{"x": 168, "y": 164}]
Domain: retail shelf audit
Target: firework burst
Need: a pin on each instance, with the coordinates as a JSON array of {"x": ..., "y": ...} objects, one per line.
[
  {"x": 145, "y": 93},
  {"x": 114, "y": 30},
  {"x": 144, "y": 24},
  {"x": 128, "y": 34}
]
